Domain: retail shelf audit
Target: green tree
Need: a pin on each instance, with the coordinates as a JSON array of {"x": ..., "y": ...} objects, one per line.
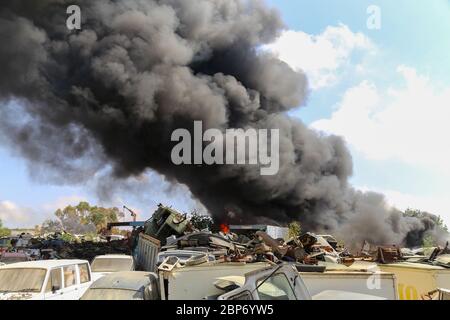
[
  {"x": 100, "y": 217},
  {"x": 84, "y": 218},
  {"x": 51, "y": 226},
  {"x": 440, "y": 222},
  {"x": 428, "y": 241},
  {"x": 295, "y": 229},
  {"x": 4, "y": 232}
]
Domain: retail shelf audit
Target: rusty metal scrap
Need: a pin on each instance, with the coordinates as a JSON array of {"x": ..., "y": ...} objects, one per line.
[
  {"x": 388, "y": 254},
  {"x": 294, "y": 251}
]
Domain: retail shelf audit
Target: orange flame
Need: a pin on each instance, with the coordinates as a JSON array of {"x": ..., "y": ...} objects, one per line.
[{"x": 224, "y": 228}]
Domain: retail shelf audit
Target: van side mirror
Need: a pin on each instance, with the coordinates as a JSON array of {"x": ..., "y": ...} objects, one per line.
[{"x": 55, "y": 288}]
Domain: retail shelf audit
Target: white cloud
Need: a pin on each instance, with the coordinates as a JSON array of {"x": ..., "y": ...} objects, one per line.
[
  {"x": 15, "y": 215},
  {"x": 320, "y": 56},
  {"x": 407, "y": 124},
  {"x": 12, "y": 214}
]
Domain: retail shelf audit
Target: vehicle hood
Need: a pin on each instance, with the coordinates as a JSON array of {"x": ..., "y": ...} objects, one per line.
[
  {"x": 98, "y": 275},
  {"x": 19, "y": 296}
]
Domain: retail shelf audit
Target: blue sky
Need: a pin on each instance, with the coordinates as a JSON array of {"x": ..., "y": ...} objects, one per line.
[
  {"x": 385, "y": 91},
  {"x": 413, "y": 36}
]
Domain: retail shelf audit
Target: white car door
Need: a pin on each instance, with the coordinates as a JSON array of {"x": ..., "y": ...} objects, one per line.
[
  {"x": 85, "y": 278},
  {"x": 71, "y": 285},
  {"x": 53, "y": 288}
]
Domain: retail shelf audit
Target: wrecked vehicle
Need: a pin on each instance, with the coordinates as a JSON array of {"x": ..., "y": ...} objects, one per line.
[
  {"x": 279, "y": 283},
  {"x": 231, "y": 281},
  {"x": 204, "y": 257},
  {"x": 439, "y": 294},
  {"x": 124, "y": 285},
  {"x": 382, "y": 284},
  {"x": 417, "y": 275},
  {"x": 318, "y": 248},
  {"x": 108, "y": 263},
  {"x": 179, "y": 283},
  {"x": 166, "y": 222},
  {"x": 13, "y": 257},
  {"x": 186, "y": 257},
  {"x": 45, "y": 280},
  {"x": 417, "y": 279}
]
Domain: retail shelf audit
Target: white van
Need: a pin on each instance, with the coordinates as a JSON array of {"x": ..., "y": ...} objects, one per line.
[
  {"x": 45, "y": 280},
  {"x": 109, "y": 263}
]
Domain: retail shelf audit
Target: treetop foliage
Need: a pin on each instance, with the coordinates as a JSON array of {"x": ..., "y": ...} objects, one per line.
[{"x": 81, "y": 219}]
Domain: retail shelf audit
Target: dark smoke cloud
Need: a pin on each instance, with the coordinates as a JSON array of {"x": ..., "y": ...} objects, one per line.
[{"x": 111, "y": 94}]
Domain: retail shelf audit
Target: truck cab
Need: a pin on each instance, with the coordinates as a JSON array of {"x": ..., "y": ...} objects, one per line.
[
  {"x": 273, "y": 283},
  {"x": 45, "y": 280},
  {"x": 282, "y": 282}
]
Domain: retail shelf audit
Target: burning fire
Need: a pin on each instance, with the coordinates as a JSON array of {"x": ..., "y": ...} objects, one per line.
[{"x": 224, "y": 228}]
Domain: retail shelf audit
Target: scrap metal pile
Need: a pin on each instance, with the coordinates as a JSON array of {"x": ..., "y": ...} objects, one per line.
[
  {"x": 240, "y": 243},
  {"x": 88, "y": 250},
  {"x": 437, "y": 256},
  {"x": 249, "y": 243},
  {"x": 232, "y": 247},
  {"x": 257, "y": 243},
  {"x": 55, "y": 246}
]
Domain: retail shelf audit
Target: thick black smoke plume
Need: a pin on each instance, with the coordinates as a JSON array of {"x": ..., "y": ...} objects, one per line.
[{"x": 113, "y": 92}]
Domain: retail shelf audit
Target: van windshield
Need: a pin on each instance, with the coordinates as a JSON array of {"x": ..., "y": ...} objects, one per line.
[
  {"x": 112, "y": 264},
  {"x": 21, "y": 279}
]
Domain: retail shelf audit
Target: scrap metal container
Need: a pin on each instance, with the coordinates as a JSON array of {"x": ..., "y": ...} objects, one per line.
[
  {"x": 146, "y": 252},
  {"x": 379, "y": 284},
  {"x": 197, "y": 282},
  {"x": 417, "y": 279}
]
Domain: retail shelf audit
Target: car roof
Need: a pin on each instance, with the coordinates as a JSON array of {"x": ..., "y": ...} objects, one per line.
[
  {"x": 131, "y": 280},
  {"x": 45, "y": 264},
  {"x": 123, "y": 256}
]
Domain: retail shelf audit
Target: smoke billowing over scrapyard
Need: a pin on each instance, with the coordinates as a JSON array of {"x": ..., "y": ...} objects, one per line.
[{"x": 112, "y": 93}]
